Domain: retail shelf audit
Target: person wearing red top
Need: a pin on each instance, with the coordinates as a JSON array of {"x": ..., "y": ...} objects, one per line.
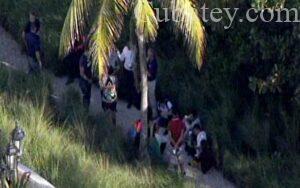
[
  {"x": 138, "y": 126},
  {"x": 177, "y": 130}
]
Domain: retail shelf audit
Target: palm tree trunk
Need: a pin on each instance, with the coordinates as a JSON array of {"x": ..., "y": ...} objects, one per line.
[{"x": 144, "y": 92}]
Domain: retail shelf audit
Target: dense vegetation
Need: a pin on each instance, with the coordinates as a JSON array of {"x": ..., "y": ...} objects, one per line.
[{"x": 247, "y": 91}]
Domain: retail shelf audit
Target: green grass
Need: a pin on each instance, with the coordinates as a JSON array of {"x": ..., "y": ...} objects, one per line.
[{"x": 69, "y": 152}]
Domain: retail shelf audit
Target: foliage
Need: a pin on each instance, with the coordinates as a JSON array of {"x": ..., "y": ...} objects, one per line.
[
  {"x": 146, "y": 22},
  {"x": 246, "y": 92},
  {"x": 110, "y": 22},
  {"x": 191, "y": 27},
  {"x": 274, "y": 171},
  {"x": 78, "y": 10}
]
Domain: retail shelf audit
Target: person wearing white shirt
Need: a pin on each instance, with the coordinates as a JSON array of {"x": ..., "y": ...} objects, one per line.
[
  {"x": 128, "y": 57},
  {"x": 165, "y": 109},
  {"x": 201, "y": 135}
]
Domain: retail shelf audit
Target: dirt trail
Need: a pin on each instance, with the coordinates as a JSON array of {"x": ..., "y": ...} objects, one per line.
[{"x": 11, "y": 56}]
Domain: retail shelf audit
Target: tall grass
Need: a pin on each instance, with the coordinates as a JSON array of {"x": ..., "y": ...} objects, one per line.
[{"x": 60, "y": 150}]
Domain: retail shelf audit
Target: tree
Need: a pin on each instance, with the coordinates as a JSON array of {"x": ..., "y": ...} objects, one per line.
[{"x": 109, "y": 24}]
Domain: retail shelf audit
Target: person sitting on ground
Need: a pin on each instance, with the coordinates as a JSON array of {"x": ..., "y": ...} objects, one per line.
[
  {"x": 34, "y": 51},
  {"x": 176, "y": 132},
  {"x": 191, "y": 139},
  {"x": 109, "y": 94},
  {"x": 85, "y": 82},
  {"x": 189, "y": 136},
  {"x": 128, "y": 56},
  {"x": 207, "y": 157},
  {"x": 165, "y": 109},
  {"x": 201, "y": 135}
]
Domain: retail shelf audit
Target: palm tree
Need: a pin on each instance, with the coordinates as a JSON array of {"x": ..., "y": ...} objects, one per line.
[{"x": 109, "y": 24}]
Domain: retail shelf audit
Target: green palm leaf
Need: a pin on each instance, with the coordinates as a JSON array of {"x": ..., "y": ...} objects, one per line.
[
  {"x": 74, "y": 24},
  {"x": 190, "y": 24},
  {"x": 146, "y": 22},
  {"x": 109, "y": 26}
]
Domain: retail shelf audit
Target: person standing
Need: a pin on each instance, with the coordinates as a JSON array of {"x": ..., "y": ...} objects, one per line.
[
  {"x": 33, "y": 44},
  {"x": 113, "y": 60},
  {"x": 33, "y": 21},
  {"x": 72, "y": 59},
  {"x": 177, "y": 132},
  {"x": 109, "y": 94},
  {"x": 85, "y": 82},
  {"x": 152, "y": 73},
  {"x": 128, "y": 56}
]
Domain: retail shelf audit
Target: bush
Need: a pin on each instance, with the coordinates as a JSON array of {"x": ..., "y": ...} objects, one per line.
[{"x": 275, "y": 171}]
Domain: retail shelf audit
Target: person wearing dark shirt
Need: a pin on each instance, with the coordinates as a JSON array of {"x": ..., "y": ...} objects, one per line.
[
  {"x": 85, "y": 81},
  {"x": 152, "y": 73},
  {"x": 72, "y": 59},
  {"x": 207, "y": 157},
  {"x": 33, "y": 22},
  {"x": 33, "y": 50}
]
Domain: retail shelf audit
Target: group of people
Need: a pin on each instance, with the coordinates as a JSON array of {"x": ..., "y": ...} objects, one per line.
[
  {"x": 79, "y": 65},
  {"x": 175, "y": 134},
  {"x": 182, "y": 138}
]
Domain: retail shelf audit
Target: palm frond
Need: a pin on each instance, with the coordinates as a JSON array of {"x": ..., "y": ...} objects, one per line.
[
  {"x": 146, "y": 22},
  {"x": 73, "y": 25},
  {"x": 189, "y": 23},
  {"x": 109, "y": 26}
]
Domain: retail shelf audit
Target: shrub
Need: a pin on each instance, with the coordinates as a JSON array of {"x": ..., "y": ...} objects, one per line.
[{"x": 274, "y": 171}]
